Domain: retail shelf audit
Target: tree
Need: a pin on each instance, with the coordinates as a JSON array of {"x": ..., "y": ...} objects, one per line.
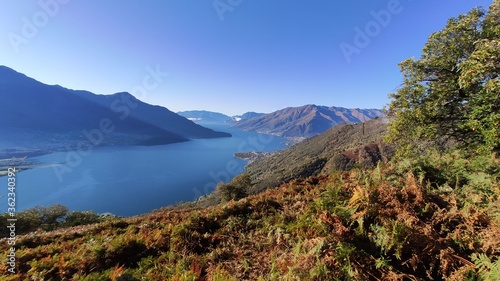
[
  {"x": 453, "y": 91},
  {"x": 236, "y": 189},
  {"x": 75, "y": 218},
  {"x": 29, "y": 220},
  {"x": 52, "y": 216}
]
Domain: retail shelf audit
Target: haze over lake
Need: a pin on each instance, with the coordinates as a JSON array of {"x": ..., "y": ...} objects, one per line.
[{"x": 130, "y": 180}]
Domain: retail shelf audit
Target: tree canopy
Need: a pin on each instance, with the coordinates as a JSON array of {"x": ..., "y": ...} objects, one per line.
[{"x": 452, "y": 93}]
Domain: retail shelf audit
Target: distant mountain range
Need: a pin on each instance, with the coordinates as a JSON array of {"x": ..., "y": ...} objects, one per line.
[
  {"x": 292, "y": 122},
  {"x": 36, "y": 115},
  {"x": 202, "y": 116},
  {"x": 246, "y": 116},
  {"x": 306, "y": 121},
  {"x": 206, "y": 117}
]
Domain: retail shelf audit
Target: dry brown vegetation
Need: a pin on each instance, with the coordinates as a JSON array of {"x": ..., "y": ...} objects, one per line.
[{"x": 392, "y": 222}]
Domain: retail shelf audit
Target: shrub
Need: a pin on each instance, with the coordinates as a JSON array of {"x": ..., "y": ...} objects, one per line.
[
  {"x": 341, "y": 162},
  {"x": 81, "y": 218},
  {"x": 236, "y": 189}
]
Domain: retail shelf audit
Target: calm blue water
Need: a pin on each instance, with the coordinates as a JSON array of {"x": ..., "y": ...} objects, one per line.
[{"x": 133, "y": 180}]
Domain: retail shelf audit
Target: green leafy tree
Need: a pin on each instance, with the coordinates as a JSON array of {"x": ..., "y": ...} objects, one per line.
[
  {"x": 236, "y": 189},
  {"x": 52, "y": 216},
  {"x": 75, "y": 218},
  {"x": 29, "y": 220},
  {"x": 452, "y": 93}
]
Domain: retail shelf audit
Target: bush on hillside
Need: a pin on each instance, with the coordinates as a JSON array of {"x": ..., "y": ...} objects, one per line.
[
  {"x": 236, "y": 189},
  {"x": 47, "y": 218}
]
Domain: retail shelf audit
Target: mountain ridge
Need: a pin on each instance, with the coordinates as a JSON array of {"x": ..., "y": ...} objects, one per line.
[
  {"x": 57, "y": 117},
  {"x": 205, "y": 116},
  {"x": 306, "y": 121}
]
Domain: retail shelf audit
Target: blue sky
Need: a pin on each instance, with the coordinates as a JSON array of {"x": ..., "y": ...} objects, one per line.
[{"x": 229, "y": 56}]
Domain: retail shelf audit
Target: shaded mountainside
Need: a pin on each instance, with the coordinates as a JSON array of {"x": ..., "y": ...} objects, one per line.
[
  {"x": 306, "y": 121},
  {"x": 37, "y": 115},
  {"x": 341, "y": 147}
]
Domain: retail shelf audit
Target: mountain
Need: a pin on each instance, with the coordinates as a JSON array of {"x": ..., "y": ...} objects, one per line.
[
  {"x": 202, "y": 116},
  {"x": 209, "y": 117},
  {"x": 246, "y": 116},
  {"x": 306, "y": 121},
  {"x": 339, "y": 148},
  {"x": 36, "y": 115}
]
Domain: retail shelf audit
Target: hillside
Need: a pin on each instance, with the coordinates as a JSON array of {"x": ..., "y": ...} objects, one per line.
[
  {"x": 430, "y": 218},
  {"x": 321, "y": 154},
  {"x": 306, "y": 121},
  {"x": 386, "y": 223},
  {"x": 57, "y": 117}
]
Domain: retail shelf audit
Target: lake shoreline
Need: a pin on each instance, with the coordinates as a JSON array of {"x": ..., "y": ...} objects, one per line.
[
  {"x": 252, "y": 156},
  {"x": 147, "y": 177}
]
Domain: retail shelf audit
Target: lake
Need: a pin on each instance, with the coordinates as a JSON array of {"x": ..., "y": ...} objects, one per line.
[{"x": 132, "y": 180}]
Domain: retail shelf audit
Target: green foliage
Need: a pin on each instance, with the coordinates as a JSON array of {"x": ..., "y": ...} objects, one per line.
[
  {"x": 48, "y": 218},
  {"x": 52, "y": 215},
  {"x": 451, "y": 92},
  {"x": 236, "y": 189},
  {"x": 382, "y": 263},
  {"x": 44, "y": 218},
  {"x": 487, "y": 269},
  {"x": 473, "y": 179},
  {"x": 391, "y": 237},
  {"x": 222, "y": 275},
  {"x": 344, "y": 255},
  {"x": 320, "y": 272},
  {"x": 29, "y": 220},
  {"x": 75, "y": 218},
  {"x": 340, "y": 162}
]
